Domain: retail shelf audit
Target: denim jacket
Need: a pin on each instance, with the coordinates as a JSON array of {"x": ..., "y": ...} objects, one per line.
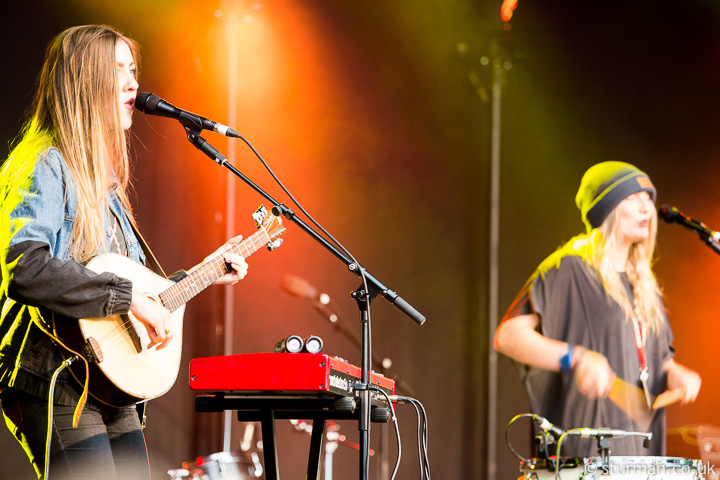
[{"x": 41, "y": 282}]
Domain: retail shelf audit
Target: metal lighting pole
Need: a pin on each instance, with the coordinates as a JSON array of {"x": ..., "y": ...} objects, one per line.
[
  {"x": 231, "y": 29},
  {"x": 499, "y": 65}
]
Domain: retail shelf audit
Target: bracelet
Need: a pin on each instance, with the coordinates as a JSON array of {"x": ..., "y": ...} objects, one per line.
[{"x": 566, "y": 360}]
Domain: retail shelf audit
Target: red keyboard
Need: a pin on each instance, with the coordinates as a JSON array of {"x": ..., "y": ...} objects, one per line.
[{"x": 280, "y": 373}]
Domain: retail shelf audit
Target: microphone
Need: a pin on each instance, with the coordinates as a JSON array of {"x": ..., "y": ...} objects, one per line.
[
  {"x": 151, "y": 104},
  {"x": 545, "y": 425},
  {"x": 673, "y": 215},
  {"x": 608, "y": 432},
  {"x": 598, "y": 432},
  {"x": 300, "y": 287}
]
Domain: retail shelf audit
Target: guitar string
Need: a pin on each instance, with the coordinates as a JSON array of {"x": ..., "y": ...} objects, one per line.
[{"x": 118, "y": 335}]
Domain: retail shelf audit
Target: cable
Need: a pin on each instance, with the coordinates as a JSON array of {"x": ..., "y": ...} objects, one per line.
[
  {"x": 302, "y": 209},
  {"x": 558, "y": 461},
  {"x": 507, "y": 436},
  {"x": 397, "y": 428},
  {"x": 423, "y": 457},
  {"x": 361, "y": 271},
  {"x": 422, "y": 436},
  {"x": 425, "y": 438},
  {"x": 419, "y": 439},
  {"x": 48, "y": 441}
]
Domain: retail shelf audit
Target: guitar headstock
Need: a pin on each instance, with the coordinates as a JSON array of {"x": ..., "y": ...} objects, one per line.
[{"x": 272, "y": 225}]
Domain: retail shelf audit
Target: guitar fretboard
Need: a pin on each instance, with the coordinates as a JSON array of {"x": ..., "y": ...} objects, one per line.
[{"x": 180, "y": 293}]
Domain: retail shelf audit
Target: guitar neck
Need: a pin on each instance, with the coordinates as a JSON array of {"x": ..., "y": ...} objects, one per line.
[{"x": 180, "y": 293}]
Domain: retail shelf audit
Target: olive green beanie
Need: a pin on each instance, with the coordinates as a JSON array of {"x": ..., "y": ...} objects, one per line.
[{"x": 607, "y": 184}]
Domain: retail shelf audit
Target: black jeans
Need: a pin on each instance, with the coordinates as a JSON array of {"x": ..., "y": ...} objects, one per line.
[{"x": 107, "y": 444}]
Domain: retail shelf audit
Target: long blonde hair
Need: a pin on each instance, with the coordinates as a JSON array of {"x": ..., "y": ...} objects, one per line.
[
  {"x": 76, "y": 110},
  {"x": 646, "y": 291}
]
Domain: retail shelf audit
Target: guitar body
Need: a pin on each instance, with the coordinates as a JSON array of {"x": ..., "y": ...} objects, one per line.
[{"x": 130, "y": 372}]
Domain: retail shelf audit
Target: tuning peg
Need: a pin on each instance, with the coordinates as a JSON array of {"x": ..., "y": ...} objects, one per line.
[
  {"x": 274, "y": 244},
  {"x": 259, "y": 215}
]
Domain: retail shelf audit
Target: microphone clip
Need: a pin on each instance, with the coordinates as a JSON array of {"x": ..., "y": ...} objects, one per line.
[{"x": 193, "y": 136}]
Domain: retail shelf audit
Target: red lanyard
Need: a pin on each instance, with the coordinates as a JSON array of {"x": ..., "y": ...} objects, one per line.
[
  {"x": 639, "y": 341},
  {"x": 640, "y": 345}
]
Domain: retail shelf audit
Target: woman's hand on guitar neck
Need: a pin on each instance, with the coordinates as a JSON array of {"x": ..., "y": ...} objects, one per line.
[
  {"x": 155, "y": 317},
  {"x": 238, "y": 269},
  {"x": 236, "y": 262}
]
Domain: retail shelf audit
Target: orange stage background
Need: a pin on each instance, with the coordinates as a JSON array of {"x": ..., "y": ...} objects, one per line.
[{"x": 376, "y": 116}]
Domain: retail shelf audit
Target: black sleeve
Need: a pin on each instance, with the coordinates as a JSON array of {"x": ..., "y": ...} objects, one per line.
[{"x": 68, "y": 288}]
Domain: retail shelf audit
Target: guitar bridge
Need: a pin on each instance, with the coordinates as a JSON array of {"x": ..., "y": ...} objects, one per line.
[{"x": 92, "y": 351}]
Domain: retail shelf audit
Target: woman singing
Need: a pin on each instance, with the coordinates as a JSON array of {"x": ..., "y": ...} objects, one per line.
[{"x": 64, "y": 200}]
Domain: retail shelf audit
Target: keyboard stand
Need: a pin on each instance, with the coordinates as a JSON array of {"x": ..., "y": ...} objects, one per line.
[{"x": 267, "y": 409}]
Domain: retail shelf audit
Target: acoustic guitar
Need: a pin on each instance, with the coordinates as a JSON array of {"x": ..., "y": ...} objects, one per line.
[{"x": 123, "y": 371}]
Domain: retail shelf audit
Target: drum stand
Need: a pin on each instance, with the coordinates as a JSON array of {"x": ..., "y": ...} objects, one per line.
[
  {"x": 543, "y": 440},
  {"x": 330, "y": 448},
  {"x": 604, "y": 451},
  {"x": 333, "y": 440}
]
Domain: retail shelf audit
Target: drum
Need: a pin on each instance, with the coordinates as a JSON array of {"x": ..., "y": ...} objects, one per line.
[
  {"x": 618, "y": 468},
  {"x": 218, "y": 466}
]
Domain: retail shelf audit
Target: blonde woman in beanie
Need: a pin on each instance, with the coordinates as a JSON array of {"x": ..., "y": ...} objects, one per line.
[{"x": 591, "y": 317}]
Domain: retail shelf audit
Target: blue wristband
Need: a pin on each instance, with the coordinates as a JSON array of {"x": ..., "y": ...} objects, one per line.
[{"x": 566, "y": 360}]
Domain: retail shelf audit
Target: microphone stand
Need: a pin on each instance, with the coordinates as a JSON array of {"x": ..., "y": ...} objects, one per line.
[
  {"x": 364, "y": 295},
  {"x": 673, "y": 215},
  {"x": 331, "y": 314}
]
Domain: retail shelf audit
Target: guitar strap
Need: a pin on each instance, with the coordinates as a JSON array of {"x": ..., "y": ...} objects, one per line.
[
  {"x": 150, "y": 259},
  {"x": 154, "y": 265}
]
